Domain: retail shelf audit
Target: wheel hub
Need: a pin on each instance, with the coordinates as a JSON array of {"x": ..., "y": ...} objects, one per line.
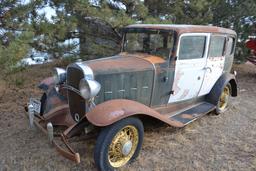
[
  {"x": 123, "y": 146},
  {"x": 127, "y": 147}
]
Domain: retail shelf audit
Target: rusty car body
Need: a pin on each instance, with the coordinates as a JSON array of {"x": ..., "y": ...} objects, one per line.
[{"x": 172, "y": 73}]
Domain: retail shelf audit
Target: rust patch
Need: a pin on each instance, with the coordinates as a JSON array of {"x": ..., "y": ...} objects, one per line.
[
  {"x": 155, "y": 59},
  {"x": 184, "y": 94},
  {"x": 176, "y": 88},
  {"x": 118, "y": 64},
  {"x": 196, "y": 115},
  {"x": 46, "y": 83},
  {"x": 187, "y": 116},
  {"x": 185, "y": 28},
  {"x": 59, "y": 116},
  {"x": 128, "y": 108}
]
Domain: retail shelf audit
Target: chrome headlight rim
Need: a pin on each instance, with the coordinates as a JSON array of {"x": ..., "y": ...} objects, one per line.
[
  {"x": 89, "y": 88},
  {"x": 59, "y": 75}
]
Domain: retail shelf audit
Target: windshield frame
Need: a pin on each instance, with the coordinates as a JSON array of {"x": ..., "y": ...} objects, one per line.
[{"x": 145, "y": 30}]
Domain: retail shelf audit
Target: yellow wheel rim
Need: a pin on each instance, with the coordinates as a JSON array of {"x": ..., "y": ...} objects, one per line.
[
  {"x": 123, "y": 146},
  {"x": 223, "y": 102}
]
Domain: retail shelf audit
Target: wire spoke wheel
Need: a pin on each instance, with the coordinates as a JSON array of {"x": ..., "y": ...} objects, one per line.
[
  {"x": 123, "y": 146},
  {"x": 224, "y": 98},
  {"x": 118, "y": 144}
]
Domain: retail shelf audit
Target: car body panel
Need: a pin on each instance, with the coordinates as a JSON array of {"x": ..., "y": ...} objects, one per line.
[
  {"x": 189, "y": 73},
  {"x": 124, "y": 77},
  {"x": 117, "y": 109},
  {"x": 213, "y": 71},
  {"x": 179, "y": 28}
]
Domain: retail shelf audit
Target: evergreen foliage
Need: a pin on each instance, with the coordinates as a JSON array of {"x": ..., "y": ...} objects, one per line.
[{"x": 23, "y": 27}]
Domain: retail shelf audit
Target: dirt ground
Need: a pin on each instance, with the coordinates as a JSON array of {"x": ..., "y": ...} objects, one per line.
[{"x": 224, "y": 142}]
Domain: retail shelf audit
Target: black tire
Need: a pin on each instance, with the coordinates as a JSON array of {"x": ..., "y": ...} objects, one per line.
[
  {"x": 106, "y": 136},
  {"x": 218, "y": 110}
]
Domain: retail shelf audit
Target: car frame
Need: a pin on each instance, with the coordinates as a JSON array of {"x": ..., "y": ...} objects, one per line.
[{"x": 171, "y": 73}]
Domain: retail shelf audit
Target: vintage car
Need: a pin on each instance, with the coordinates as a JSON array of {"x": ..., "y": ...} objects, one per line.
[{"x": 171, "y": 73}]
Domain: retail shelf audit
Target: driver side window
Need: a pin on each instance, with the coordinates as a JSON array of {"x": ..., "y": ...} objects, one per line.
[
  {"x": 154, "y": 43},
  {"x": 192, "y": 47},
  {"x": 161, "y": 45}
]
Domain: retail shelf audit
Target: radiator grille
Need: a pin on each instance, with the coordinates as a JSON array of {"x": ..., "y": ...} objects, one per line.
[{"x": 76, "y": 102}]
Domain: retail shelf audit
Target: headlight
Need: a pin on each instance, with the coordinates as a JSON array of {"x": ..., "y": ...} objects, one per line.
[
  {"x": 59, "y": 75},
  {"x": 89, "y": 88}
]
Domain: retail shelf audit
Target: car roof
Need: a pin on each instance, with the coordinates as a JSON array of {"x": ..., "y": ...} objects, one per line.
[{"x": 180, "y": 28}]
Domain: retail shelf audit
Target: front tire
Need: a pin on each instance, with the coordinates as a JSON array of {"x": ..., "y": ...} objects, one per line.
[
  {"x": 223, "y": 102},
  {"x": 118, "y": 144}
]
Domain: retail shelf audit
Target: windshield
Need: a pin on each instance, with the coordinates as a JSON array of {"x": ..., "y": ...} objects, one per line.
[{"x": 158, "y": 43}]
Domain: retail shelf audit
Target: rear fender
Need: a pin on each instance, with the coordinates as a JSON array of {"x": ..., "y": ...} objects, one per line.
[
  {"x": 213, "y": 96},
  {"x": 112, "y": 111}
]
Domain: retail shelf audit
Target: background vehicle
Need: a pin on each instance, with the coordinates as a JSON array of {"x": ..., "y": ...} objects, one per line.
[
  {"x": 251, "y": 44},
  {"x": 173, "y": 73}
]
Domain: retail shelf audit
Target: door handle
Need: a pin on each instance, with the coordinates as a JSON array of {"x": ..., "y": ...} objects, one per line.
[{"x": 207, "y": 69}]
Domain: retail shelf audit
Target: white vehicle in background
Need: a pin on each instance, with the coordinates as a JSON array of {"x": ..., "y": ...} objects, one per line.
[{"x": 34, "y": 60}]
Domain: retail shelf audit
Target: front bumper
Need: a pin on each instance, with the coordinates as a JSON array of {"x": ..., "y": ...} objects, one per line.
[{"x": 47, "y": 128}]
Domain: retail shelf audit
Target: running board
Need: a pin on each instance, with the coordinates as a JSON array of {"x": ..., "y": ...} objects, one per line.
[{"x": 193, "y": 113}]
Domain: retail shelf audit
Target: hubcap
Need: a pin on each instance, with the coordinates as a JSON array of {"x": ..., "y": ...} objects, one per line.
[
  {"x": 123, "y": 146},
  {"x": 127, "y": 147},
  {"x": 224, "y": 98}
]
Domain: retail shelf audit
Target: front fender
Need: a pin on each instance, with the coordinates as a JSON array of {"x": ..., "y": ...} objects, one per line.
[
  {"x": 51, "y": 98},
  {"x": 46, "y": 83},
  {"x": 112, "y": 111}
]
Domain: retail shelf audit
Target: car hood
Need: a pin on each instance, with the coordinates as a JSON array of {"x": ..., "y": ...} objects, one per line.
[
  {"x": 123, "y": 62},
  {"x": 124, "y": 76}
]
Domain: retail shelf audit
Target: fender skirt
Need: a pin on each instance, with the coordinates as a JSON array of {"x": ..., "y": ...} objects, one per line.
[{"x": 113, "y": 110}]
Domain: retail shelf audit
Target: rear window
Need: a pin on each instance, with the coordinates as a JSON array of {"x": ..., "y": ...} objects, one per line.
[
  {"x": 217, "y": 45},
  {"x": 192, "y": 47},
  {"x": 230, "y": 45}
]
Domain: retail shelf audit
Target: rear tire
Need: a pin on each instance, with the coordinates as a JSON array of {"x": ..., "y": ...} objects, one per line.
[
  {"x": 223, "y": 102},
  {"x": 118, "y": 144}
]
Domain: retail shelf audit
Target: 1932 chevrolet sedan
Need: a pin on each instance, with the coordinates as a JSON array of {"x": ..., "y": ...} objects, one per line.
[{"x": 173, "y": 73}]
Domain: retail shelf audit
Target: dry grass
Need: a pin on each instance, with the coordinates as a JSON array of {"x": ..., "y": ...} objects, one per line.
[{"x": 225, "y": 142}]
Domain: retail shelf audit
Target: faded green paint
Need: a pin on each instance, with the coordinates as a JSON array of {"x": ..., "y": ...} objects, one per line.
[
  {"x": 133, "y": 86},
  {"x": 163, "y": 84},
  {"x": 133, "y": 78}
]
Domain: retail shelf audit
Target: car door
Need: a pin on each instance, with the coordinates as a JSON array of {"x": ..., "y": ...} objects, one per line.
[
  {"x": 190, "y": 66},
  {"x": 215, "y": 63}
]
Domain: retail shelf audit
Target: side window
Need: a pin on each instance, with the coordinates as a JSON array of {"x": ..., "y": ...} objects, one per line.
[
  {"x": 230, "y": 45},
  {"x": 161, "y": 45},
  {"x": 192, "y": 47},
  {"x": 217, "y": 45}
]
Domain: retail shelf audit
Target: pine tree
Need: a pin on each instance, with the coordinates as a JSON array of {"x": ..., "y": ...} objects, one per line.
[{"x": 15, "y": 32}]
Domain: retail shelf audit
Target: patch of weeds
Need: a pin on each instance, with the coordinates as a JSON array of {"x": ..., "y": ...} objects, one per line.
[
  {"x": 16, "y": 69},
  {"x": 19, "y": 82}
]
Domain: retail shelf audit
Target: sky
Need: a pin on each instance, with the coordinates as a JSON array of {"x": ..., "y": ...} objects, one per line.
[{"x": 49, "y": 12}]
